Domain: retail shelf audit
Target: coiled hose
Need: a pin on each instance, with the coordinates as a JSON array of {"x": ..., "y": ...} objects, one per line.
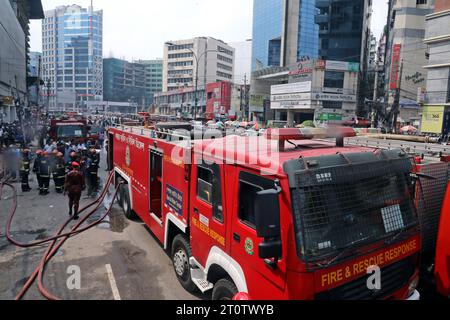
[{"x": 54, "y": 246}]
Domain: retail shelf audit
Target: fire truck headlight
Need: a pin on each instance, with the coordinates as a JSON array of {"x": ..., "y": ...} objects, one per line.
[{"x": 413, "y": 286}]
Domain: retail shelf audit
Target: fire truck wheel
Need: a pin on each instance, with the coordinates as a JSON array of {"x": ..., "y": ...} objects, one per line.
[
  {"x": 224, "y": 290},
  {"x": 126, "y": 203},
  {"x": 181, "y": 252},
  {"x": 119, "y": 197}
]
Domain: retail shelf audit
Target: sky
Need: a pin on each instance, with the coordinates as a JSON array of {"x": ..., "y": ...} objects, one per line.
[{"x": 137, "y": 29}]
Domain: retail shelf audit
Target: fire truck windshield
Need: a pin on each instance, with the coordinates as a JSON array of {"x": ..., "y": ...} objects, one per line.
[
  {"x": 70, "y": 131},
  {"x": 349, "y": 206}
]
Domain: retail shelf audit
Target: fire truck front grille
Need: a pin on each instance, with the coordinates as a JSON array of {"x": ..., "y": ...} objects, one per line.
[
  {"x": 350, "y": 204},
  {"x": 393, "y": 278}
]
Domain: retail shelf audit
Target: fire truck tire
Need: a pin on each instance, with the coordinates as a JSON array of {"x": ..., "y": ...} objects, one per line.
[
  {"x": 181, "y": 252},
  {"x": 224, "y": 289},
  {"x": 126, "y": 203},
  {"x": 119, "y": 195}
]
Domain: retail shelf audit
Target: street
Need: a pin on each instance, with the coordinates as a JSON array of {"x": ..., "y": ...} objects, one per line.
[{"x": 119, "y": 259}]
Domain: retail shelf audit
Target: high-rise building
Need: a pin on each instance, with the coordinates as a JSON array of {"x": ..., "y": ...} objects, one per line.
[
  {"x": 406, "y": 55},
  {"x": 123, "y": 81},
  {"x": 214, "y": 60},
  {"x": 344, "y": 29},
  {"x": 344, "y": 33},
  {"x": 153, "y": 78},
  {"x": 438, "y": 40},
  {"x": 72, "y": 39},
  {"x": 436, "y": 111},
  {"x": 14, "y": 55},
  {"x": 284, "y": 32},
  {"x": 34, "y": 77}
]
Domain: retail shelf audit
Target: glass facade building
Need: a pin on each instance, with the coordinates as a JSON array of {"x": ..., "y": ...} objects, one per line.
[
  {"x": 269, "y": 22},
  {"x": 267, "y": 31},
  {"x": 308, "y": 36},
  {"x": 72, "y": 55}
]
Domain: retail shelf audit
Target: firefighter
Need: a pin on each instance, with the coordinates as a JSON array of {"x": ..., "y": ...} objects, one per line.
[
  {"x": 36, "y": 167},
  {"x": 92, "y": 171},
  {"x": 74, "y": 157},
  {"x": 59, "y": 172},
  {"x": 73, "y": 186},
  {"x": 25, "y": 170},
  {"x": 44, "y": 167}
]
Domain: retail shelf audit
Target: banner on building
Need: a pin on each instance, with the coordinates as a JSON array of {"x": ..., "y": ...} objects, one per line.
[
  {"x": 342, "y": 66},
  {"x": 395, "y": 67},
  {"x": 432, "y": 119},
  {"x": 335, "y": 97},
  {"x": 297, "y": 87}
]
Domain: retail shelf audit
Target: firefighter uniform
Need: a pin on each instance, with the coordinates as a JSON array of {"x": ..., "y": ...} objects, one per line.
[
  {"x": 25, "y": 170},
  {"x": 73, "y": 186},
  {"x": 45, "y": 170},
  {"x": 36, "y": 167},
  {"x": 59, "y": 173},
  {"x": 92, "y": 171}
]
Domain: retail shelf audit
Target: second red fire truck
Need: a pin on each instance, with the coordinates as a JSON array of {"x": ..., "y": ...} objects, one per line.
[{"x": 276, "y": 217}]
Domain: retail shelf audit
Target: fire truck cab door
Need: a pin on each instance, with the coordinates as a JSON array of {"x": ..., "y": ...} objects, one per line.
[
  {"x": 244, "y": 240},
  {"x": 207, "y": 212}
]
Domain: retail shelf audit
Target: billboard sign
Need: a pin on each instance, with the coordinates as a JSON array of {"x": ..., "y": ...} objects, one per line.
[
  {"x": 302, "y": 71},
  {"x": 432, "y": 119},
  {"x": 335, "y": 97},
  {"x": 291, "y": 105},
  {"x": 342, "y": 66},
  {"x": 297, "y": 87},
  {"x": 395, "y": 69}
]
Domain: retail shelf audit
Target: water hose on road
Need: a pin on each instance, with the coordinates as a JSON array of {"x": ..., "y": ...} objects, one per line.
[
  {"x": 51, "y": 250},
  {"x": 12, "y": 213}
]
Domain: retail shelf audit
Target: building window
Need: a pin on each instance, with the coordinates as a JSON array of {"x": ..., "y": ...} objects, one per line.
[
  {"x": 332, "y": 104},
  {"x": 334, "y": 79},
  {"x": 421, "y": 1}
]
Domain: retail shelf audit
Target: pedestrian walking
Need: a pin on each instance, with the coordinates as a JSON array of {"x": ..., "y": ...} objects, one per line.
[{"x": 73, "y": 187}]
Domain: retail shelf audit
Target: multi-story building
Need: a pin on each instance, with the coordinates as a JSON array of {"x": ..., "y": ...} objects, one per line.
[
  {"x": 153, "y": 78},
  {"x": 14, "y": 46},
  {"x": 283, "y": 32},
  {"x": 324, "y": 91},
  {"x": 123, "y": 81},
  {"x": 344, "y": 33},
  {"x": 214, "y": 60},
  {"x": 72, "y": 39},
  {"x": 406, "y": 54},
  {"x": 179, "y": 102},
  {"x": 372, "y": 52},
  {"x": 436, "y": 112},
  {"x": 242, "y": 62},
  {"x": 34, "y": 77}
]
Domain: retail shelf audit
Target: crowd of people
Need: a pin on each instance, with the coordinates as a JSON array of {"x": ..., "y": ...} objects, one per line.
[{"x": 72, "y": 165}]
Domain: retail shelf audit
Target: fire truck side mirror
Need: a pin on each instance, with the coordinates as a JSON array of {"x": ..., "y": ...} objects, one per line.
[{"x": 267, "y": 220}]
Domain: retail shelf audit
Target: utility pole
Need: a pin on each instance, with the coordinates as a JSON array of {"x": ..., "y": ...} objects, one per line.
[{"x": 396, "y": 107}]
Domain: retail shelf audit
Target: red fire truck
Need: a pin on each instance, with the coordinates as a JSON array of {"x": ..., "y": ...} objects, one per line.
[
  {"x": 442, "y": 268},
  {"x": 68, "y": 128},
  {"x": 282, "y": 216}
]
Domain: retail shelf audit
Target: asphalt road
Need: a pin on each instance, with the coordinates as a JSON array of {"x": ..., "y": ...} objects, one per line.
[{"x": 119, "y": 259}]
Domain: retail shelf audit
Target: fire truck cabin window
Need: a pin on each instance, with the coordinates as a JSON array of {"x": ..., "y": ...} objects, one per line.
[
  {"x": 209, "y": 189},
  {"x": 204, "y": 184},
  {"x": 249, "y": 186}
]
